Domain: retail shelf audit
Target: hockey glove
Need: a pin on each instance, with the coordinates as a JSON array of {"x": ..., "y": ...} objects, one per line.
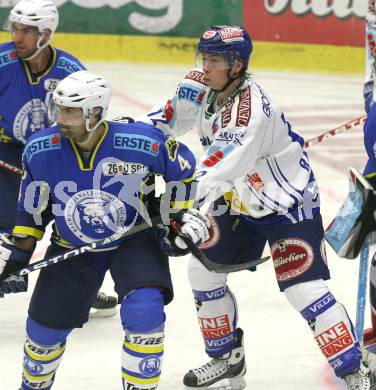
[
  {"x": 11, "y": 260},
  {"x": 192, "y": 223}
]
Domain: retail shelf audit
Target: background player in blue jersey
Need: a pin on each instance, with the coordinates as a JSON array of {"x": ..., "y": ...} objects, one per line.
[
  {"x": 256, "y": 162},
  {"x": 30, "y": 69},
  {"x": 97, "y": 174}
]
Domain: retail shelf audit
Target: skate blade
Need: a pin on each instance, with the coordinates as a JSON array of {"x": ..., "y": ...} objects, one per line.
[
  {"x": 224, "y": 384},
  {"x": 102, "y": 313}
]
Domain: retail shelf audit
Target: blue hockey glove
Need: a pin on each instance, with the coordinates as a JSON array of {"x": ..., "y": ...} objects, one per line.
[
  {"x": 11, "y": 260},
  {"x": 193, "y": 224}
]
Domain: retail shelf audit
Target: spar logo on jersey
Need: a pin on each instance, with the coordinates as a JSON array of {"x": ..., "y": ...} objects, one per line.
[
  {"x": 29, "y": 119},
  {"x": 94, "y": 214},
  {"x": 136, "y": 142},
  {"x": 43, "y": 144},
  {"x": 150, "y": 366},
  {"x": 335, "y": 340},
  {"x": 8, "y": 58},
  {"x": 291, "y": 257}
]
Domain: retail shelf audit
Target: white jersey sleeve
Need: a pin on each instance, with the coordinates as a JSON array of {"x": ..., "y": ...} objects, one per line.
[{"x": 179, "y": 115}]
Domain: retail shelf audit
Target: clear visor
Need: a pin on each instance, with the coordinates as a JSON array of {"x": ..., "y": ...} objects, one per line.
[
  {"x": 73, "y": 116},
  {"x": 217, "y": 60},
  {"x": 26, "y": 30}
]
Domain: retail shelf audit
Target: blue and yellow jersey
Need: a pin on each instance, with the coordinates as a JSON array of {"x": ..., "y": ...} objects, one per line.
[
  {"x": 24, "y": 97},
  {"x": 95, "y": 196}
]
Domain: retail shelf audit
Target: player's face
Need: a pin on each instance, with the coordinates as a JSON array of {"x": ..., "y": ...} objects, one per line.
[
  {"x": 215, "y": 67},
  {"x": 71, "y": 123},
  {"x": 25, "y": 38}
]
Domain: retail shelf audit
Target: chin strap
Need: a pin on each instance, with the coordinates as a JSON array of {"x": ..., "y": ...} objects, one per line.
[
  {"x": 39, "y": 48},
  {"x": 230, "y": 80}
]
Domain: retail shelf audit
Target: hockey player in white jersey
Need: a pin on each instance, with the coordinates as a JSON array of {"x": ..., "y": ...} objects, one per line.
[{"x": 255, "y": 163}]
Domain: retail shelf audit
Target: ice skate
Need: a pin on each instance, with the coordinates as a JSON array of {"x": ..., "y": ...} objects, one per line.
[
  {"x": 103, "y": 306},
  {"x": 225, "y": 373},
  {"x": 358, "y": 380}
]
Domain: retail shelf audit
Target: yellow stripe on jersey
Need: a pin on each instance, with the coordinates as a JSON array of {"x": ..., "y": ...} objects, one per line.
[
  {"x": 29, "y": 231},
  {"x": 144, "y": 349},
  {"x": 140, "y": 381},
  {"x": 91, "y": 163},
  {"x": 370, "y": 175},
  {"x": 44, "y": 73}
]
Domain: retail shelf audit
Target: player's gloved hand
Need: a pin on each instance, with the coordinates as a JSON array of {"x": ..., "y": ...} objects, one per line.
[
  {"x": 193, "y": 224},
  {"x": 11, "y": 260}
]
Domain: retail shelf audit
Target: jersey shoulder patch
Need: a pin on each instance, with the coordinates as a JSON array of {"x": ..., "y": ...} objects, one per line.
[
  {"x": 38, "y": 144},
  {"x": 196, "y": 75},
  {"x": 8, "y": 54},
  {"x": 67, "y": 62}
]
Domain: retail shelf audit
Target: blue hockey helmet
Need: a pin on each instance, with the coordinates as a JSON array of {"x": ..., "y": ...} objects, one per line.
[{"x": 231, "y": 41}]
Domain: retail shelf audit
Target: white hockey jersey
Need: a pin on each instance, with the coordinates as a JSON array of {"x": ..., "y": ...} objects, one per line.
[{"x": 249, "y": 145}]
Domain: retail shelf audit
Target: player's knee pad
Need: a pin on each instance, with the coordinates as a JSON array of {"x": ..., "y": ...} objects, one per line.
[
  {"x": 43, "y": 351},
  {"x": 142, "y": 314},
  {"x": 142, "y": 311},
  {"x": 216, "y": 308},
  {"x": 330, "y": 324}
]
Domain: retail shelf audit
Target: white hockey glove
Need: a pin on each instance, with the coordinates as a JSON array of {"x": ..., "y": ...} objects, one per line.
[
  {"x": 195, "y": 225},
  {"x": 192, "y": 223},
  {"x": 11, "y": 260}
]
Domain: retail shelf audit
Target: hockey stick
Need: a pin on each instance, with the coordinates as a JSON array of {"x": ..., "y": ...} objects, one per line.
[
  {"x": 211, "y": 265},
  {"x": 362, "y": 290},
  {"x": 10, "y": 168},
  {"x": 340, "y": 129}
]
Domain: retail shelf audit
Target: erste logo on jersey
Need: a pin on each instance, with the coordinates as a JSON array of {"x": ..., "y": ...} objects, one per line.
[
  {"x": 114, "y": 168},
  {"x": 68, "y": 65},
  {"x": 29, "y": 119},
  {"x": 291, "y": 257},
  {"x": 192, "y": 94},
  {"x": 94, "y": 214},
  {"x": 8, "y": 57},
  {"x": 50, "y": 142},
  {"x": 137, "y": 142}
]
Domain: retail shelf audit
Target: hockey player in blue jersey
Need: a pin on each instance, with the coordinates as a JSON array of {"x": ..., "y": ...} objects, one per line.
[
  {"x": 96, "y": 175},
  {"x": 30, "y": 69},
  {"x": 255, "y": 162}
]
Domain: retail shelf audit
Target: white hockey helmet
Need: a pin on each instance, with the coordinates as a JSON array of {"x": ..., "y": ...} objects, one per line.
[
  {"x": 42, "y": 14},
  {"x": 87, "y": 91}
]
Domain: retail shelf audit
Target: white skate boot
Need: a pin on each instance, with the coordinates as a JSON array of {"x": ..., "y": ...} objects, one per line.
[
  {"x": 224, "y": 373},
  {"x": 103, "y": 306},
  {"x": 358, "y": 380}
]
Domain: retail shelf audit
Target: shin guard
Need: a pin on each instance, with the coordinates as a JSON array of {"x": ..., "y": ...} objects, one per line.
[
  {"x": 330, "y": 324},
  {"x": 143, "y": 321},
  {"x": 216, "y": 309}
]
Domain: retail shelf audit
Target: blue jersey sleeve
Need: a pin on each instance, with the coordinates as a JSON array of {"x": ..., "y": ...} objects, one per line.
[{"x": 33, "y": 212}]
